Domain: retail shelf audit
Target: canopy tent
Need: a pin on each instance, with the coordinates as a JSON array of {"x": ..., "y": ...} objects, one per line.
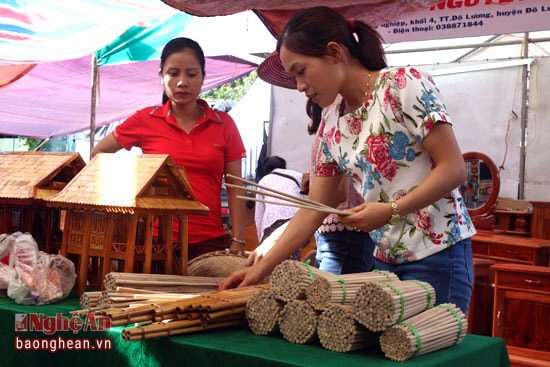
[
  {"x": 66, "y": 110},
  {"x": 275, "y": 13},
  {"x": 395, "y": 19},
  {"x": 58, "y": 96},
  {"x": 53, "y": 99}
]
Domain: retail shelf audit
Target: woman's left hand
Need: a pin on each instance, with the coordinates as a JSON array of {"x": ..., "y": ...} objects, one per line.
[
  {"x": 368, "y": 216},
  {"x": 265, "y": 246}
]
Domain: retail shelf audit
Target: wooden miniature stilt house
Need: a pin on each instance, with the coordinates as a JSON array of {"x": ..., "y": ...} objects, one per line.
[
  {"x": 121, "y": 207},
  {"x": 27, "y": 179}
]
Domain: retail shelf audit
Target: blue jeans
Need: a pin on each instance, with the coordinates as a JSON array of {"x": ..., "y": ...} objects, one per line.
[
  {"x": 344, "y": 252},
  {"x": 450, "y": 272}
]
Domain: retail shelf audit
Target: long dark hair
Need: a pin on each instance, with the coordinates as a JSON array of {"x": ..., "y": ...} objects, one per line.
[
  {"x": 177, "y": 45},
  {"x": 315, "y": 113},
  {"x": 309, "y": 31}
]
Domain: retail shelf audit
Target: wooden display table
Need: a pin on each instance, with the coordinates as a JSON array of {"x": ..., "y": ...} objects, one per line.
[
  {"x": 230, "y": 347},
  {"x": 511, "y": 249}
]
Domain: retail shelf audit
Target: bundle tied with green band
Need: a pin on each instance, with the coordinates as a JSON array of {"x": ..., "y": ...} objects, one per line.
[
  {"x": 339, "y": 332},
  {"x": 327, "y": 289},
  {"x": 298, "y": 322},
  {"x": 379, "y": 305},
  {"x": 290, "y": 279},
  {"x": 347, "y": 312},
  {"x": 434, "y": 329},
  {"x": 262, "y": 313}
]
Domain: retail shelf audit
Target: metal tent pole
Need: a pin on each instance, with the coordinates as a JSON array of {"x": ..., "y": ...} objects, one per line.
[
  {"x": 93, "y": 102},
  {"x": 524, "y": 118}
]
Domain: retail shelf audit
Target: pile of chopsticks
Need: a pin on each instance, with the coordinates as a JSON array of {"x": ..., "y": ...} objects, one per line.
[
  {"x": 129, "y": 289},
  {"x": 355, "y": 311},
  {"x": 168, "y": 283},
  {"x": 285, "y": 199}
]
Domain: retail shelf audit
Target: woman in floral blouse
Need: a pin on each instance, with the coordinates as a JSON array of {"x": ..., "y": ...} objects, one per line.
[{"x": 391, "y": 135}]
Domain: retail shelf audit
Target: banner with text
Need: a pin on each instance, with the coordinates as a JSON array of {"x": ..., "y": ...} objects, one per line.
[{"x": 467, "y": 18}]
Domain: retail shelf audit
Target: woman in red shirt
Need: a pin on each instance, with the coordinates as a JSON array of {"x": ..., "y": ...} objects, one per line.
[{"x": 206, "y": 142}]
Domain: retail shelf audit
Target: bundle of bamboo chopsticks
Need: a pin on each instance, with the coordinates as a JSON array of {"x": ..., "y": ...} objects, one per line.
[
  {"x": 161, "y": 282},
  {"x": 351, "y": 311},
  {"x": 129, "y": 289},
  {"x": 339, "y": 332},
  {"x": 296, "y": 304},
  {"x": 379, "y": 305},
  {"x": 283, "y": 198},
  {"x": 439, "y": 327},
  {"x": 325, "y": 291}
]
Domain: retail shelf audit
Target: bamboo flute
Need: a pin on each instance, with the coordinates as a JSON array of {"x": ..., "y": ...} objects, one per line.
[
  {"x": 379, "y": 305},
  {"x": 230, "y": 298},
  {"x": 166, "y": 329},
  {"x": 298, "y": 322},
  {"x": 89, "y": 300},
  {"x": 262, "y": 313},
  {"x": 437, "y": 328},
  {"x": 137, "y": 320},
  {"x": 338, "y": 331},
  {"x": 225, "y": 313},
  {"x": 341, "y": 289},
  {"x": 152, "y": 310},
  {"x": 205, "y": 307}
]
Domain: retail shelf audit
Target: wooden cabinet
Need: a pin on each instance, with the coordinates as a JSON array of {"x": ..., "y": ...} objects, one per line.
[
  {"x": 513, "y": 222},
  {"x": 540, "y": 222},
  {"x": 520, "y": 314},
  {"x": 511, "y": 249},
  {"x": 480, "y": 311}
]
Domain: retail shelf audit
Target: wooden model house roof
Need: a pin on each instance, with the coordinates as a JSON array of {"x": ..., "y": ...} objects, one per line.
[
  {"x": 36, "y": 175},
  {"x": 130, "y": 182}
]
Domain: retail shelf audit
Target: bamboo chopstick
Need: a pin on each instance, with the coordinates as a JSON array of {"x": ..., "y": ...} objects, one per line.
[
  {"x": 328, "y": 210},
  {"x": 252, "y": 183},
  {"x": 298, "y": 201},
  {"x": 266, "y": 191}
]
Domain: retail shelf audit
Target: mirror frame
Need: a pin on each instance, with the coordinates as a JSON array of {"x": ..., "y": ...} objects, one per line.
[{"x": 482, "y": 216}]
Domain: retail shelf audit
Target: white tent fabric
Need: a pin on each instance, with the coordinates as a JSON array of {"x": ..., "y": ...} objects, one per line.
[{"x": 251, "y": 114}]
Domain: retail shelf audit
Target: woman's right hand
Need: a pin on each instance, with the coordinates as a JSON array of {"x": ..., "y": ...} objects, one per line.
[{"x": 244, "y": 277}]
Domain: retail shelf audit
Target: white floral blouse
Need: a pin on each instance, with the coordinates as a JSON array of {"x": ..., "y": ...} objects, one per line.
[{"x": 379, "y": 147}]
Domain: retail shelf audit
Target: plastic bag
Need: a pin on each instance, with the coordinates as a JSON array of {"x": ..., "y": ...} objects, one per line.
[
  {"x": 7, "y": 273},
  {"x": 54, "y": 278},
  {"x": 6, "y": 243},
  {"x": 37, "y": 277}
]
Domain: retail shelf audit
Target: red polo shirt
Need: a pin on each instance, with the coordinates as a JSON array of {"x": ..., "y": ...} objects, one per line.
[{"x": 213, "y": 142}]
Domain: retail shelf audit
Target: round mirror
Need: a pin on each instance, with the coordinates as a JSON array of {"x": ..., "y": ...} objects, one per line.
[{"x": 482, "y": 185}]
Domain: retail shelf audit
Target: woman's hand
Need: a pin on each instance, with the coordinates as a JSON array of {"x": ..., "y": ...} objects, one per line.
[
  {"x": 266, "y": 245},
  {"x": 368, "y": 216},
  {"x": 244, "y": 277},
  {"x": 254, "y": 257}
]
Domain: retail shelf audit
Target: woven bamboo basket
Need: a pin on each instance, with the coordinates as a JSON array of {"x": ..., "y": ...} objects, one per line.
[{"x": 216, "y": 264}]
